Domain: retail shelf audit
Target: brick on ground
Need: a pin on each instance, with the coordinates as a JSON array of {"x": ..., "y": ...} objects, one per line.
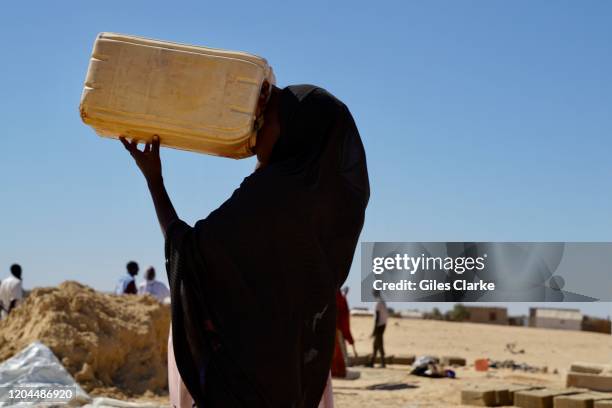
[
  {"x": 514, "y": 388},
  {"x": 539, "y": 398},
  {"x": 388, "y": 359},
  {"x": 585, "y": 400},
  {"x": 589, "y": 368},
  {"x": 403, "y": 359},
  {"x": 361, "y": 360},
  {"x": 480, "y": 397},
  {"x": 392, "y": 359},
  {"x": 502, "y": 397},
  {"x": 494, "y": 396},
  {"x": 453, "y": 361},
  {"x": 593, "y": 382}
]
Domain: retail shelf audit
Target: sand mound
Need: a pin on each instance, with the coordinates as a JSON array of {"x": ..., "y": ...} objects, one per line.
[{"x": 110, "y": 344}]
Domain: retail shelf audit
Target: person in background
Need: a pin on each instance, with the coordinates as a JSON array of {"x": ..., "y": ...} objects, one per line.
[
  {"x": 344, "y": 321},
  {"x": 127, "y": 283},
  {"x": 380, "y": 323},
  {"x": 343, "y": 333},
  {"x": 153, "y": 287},
  {"x": 11, "y": 291}
]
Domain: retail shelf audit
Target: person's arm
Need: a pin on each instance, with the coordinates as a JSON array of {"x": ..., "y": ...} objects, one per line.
[
  {"x": 149, "y": 162},
  {"x": 12, "y": 305}
]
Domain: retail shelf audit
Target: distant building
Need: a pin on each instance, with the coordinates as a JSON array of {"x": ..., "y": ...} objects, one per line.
[
  {"x": 596, "y": 324},
  {"x": 489, "y": 315},
  {"x": 400, "y": 314},
  {"x": 411, "y": 314},
  {"x": 517, "y": 320},
  {"x": 550, "y": 318},
  {"x": 361, "y": 311}
]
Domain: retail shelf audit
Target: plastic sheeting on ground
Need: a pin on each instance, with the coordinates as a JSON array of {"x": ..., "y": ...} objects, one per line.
[
  {"x": 102, "y": 402},
  {"x": 35, "y": 368}
]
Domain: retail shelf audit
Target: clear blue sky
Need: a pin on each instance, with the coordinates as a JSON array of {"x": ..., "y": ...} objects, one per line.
[{"x": 482, "y": 120}]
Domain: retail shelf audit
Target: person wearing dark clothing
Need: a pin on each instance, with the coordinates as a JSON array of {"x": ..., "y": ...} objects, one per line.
[
  {"x": 380, "y": 323},
  {"x": 127, "y": 283},
  {"x": 253, "y": 285},
  {"x": 379, "y": 347}
]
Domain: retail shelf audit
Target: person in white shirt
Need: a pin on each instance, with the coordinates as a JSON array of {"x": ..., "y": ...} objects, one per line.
[
  {"x": 380, "y": 323},
  {"x": 11, "y": 291},
  {"x": 153, "y": 287}
]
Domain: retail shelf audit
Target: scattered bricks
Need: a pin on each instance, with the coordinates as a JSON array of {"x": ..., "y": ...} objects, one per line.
[
  {"x": 361, "y": 360},
  {"x": 590, "y": 381},
  {"x": 502, "y": 397},
  {"x": 388, "y": 359},
  {"x": 453, "y": 361},
  {"x": 538, "y": 398},
  {"x": 479, "y": 397},
  {"x": 366, "y": 359},
  {"x": 586, "y": 400},
  {"x": 378, "y": 359},
  {"x": 588, "y": 368},
  {"x": 493, "y": 396},
  {"x": 603, "y": 404},
  {"x": 516, "y": 388},
  {"x": 404, "y": 360}
]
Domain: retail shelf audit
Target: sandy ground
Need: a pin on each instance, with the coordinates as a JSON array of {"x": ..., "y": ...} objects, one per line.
[
  {"x": 543, "y": 347},
  {"x": 551, "y": 348},
  {"x": 554, "y": 349},
  {"x": 424, "y": 392},
  {"x": 115, "y": 346}
]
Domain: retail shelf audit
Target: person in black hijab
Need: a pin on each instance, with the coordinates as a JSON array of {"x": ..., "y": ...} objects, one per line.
[{"x": 253, "y": 284}]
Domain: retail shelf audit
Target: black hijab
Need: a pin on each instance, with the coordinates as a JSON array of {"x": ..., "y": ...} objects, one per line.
[{"x": 253, "y": 285}]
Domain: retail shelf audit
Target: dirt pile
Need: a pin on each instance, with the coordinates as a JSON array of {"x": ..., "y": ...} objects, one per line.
[{"x": 110, "y": 344}]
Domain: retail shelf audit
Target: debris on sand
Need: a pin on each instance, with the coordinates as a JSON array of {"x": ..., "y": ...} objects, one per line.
[
  {"x": 512, "y": 365},
  {"x": 511, "y": 347}
]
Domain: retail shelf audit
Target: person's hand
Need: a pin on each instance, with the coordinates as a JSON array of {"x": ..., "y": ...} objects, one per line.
[{"x": 147, "y": 159}]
